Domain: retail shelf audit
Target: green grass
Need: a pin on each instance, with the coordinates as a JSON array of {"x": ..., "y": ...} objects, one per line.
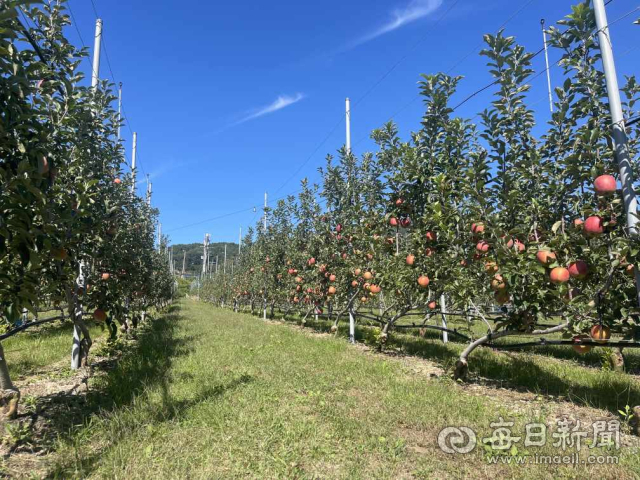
[
  {"x": 31, "y": 350},
  {"x": 207, "y": 393}
]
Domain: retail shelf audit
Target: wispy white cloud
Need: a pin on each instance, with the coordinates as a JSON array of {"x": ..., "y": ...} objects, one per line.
[
  {"x": 413, "y": 11},
  {"x": 283, "y": 101}
]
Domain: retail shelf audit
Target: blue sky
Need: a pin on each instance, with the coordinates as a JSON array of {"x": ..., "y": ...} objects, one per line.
[{"x": 230, "y": 99}]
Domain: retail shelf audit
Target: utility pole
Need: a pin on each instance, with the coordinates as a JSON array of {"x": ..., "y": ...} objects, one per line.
[
  {"x": 149, "y": 191},
  {"x": 205, "y": 257},
  {"x": 348, "y": 122},
  {"x": 265, "y": 213},
  {"x": 546, "y": 59},
  {"x": 119, "y": 108},
  {"x": 134, "y": 154},
  {"x": 620, "y": 144},
  {"x": 264, "y": 289},
  {"x": 97, "y": 44}
]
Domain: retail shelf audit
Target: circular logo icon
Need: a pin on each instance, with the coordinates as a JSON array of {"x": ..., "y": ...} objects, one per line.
[{"x": 457, "y": 440}]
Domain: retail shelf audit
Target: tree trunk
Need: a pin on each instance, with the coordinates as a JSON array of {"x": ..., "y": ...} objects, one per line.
[{"x": 9, "y": 394}]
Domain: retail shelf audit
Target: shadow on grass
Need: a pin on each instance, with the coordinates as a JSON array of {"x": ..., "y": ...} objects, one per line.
[
  {"x": 141, "y": 364},
  {"x": 173, "y": 409},
  {"x": 605, "y": 390}
]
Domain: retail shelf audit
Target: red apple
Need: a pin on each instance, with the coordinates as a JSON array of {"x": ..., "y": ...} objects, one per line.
[
  {"x": 600, "y": 333},
  {"x": 515, "y": 244},
  {"x": 100, "y": 315},
  {"x": 375, "y": 289},
  {"x": 432, "y": 305},
  {"x": 605, "y": 185},
  {"x": 482, "y": 246},
  {"x": 423, "y": 281},
  {"x": 393, "y": 221},
  {"x": 593, "y": 226},
  {"x": 332, "y": 290},
  {"x": 405, "y": 222},
  {"x": 411, "y": 259},
  {"x": 477, "y": 228},
  {"x": 545, "y": 257},
  {"x": 431, "y": 236},
  {"x": 578, "y": 269},
  {"x": 581, "y": 349},
  {"x": 559, "y": 275}
]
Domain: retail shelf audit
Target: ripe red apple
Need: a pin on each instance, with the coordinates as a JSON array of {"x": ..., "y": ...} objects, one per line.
[
  {"x": 405, "y": 222},
  {"x": 482, "y": 246},
  {"x": 368, "y": 275},
  {"x": 515, "y": 244},
  {"x": 332, "y": 290},
  {"x": 393, "y": 221},
  {"x": 545, "y": 257},
  {"x": 629, "y": 270},
  {"x": 605, "y": 185},
  {"x": 432, "y": 304},
  {"x": 357, "y": 272},
  {"x": 298, "y": 288},
  {"x": 593, "y": 226},
  {"x": 423, "y": 281},
  {"x": 399, "y": 202},
  {"x": 332, "y": 278},
  {"x": 354, "y": 283},
  {"x": 581, "y": 349},
  {"x": 117, "y": 181},
  {"x": 367, "y": 286},
  {"x": 600, "y": 333},
  {"x": 578, "y": 269},
  {"x": 498, "y": 283},
  {"x": 100, "y": 315},
  {"x": 477, "y": 228},
  {"x": 298, "y": 279},
  {"x": 344, "y": 256},
  {"x": 411, "y": 259},
  {"x": 559, "y": 275},
  {"x": 375, "y": 289},
  {"x": 578, "y": 222},
  {"x": 338, "y": 228},
  {"x": 369, "y": 256},
  {"x": 491, "y": 267},
  {"x": 363, "y": 299},
  {"x": 431, "y": 236},
  {"x": 429, "y": 251},
  {"x": 463, "y": 263},
  {"x": 311, "y": 261},
  {"x": 106, "y": 276}
]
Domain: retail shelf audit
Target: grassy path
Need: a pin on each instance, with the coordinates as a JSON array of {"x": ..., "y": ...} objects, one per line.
[{"x": 228, "y": 396}]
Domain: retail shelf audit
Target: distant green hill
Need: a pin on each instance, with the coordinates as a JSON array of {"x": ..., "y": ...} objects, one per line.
[{"x": 195, "y": 251}]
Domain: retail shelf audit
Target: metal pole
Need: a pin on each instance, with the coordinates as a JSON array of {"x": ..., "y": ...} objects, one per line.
[
  {"x": 348, "y": 122},
  {"x": 119, "y": 108},
  {"x": 134, "y": 154},
  {"x": 96, "y": 54},
  {"x": 619, "y": 134},
  {"x": 352, "y": 327},
  {"x": 265, "y": 213},
  {"x": 546, "y": 59},
  {"x": 149, "y": 191},
  {"x": 443, "y": 311},
  {"x": 264, "y": 294}
]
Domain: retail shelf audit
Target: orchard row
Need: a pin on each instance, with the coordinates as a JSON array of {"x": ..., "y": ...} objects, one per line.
[
  {"x": 488, "y": 215},
  {"x": 73, "y": 234}
]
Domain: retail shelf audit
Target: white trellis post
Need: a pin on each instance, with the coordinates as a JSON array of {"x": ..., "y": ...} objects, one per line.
[
  {"x": 546, "y": 59},
  {"x": 443, "y": 313},
  {"x": 134, "y": 154},
  {"x": 348, "y": 124},
  {"x": 620, "y": 142}
]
